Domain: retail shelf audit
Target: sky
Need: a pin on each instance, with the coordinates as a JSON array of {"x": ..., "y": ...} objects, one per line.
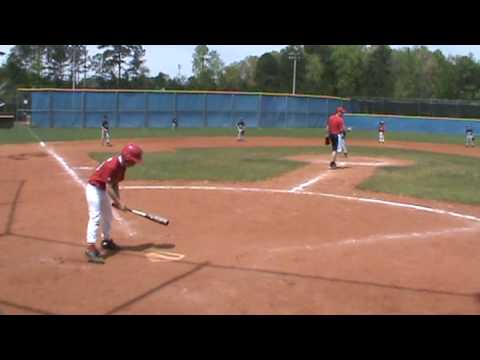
[{"x": 167, "y": 58}]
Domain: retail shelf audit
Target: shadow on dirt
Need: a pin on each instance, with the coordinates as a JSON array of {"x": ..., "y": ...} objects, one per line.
[
  {"x": 26, "y": 156},
  {"x": 139, "y": 248}
]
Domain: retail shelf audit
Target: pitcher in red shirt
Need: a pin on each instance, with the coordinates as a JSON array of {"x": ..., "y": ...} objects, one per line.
[
  {"x": 101, "y": 190},
  {"x": 335, "y": 128}
]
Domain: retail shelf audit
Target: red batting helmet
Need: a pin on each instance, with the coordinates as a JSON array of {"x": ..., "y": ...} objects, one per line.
[
  {"x": 132, "y": 153},
  {"x": 341, "y": 110}
]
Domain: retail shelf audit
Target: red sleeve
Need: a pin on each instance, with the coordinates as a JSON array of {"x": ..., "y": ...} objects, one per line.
[{"x": 330, "y": 121}]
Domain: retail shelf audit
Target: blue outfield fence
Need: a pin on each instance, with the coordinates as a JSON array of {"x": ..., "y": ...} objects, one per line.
[
  {"x": 412, "y": 124},
  {"x": 136, "y": 109}
]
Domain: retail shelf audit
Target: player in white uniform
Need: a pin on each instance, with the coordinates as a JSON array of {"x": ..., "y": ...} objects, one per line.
[
  {"x": 105, "y": 132},
  {"x": 469, "y": 137},
  {"x": 241, "y": 130},
  {"x": 381, "y": 132}
]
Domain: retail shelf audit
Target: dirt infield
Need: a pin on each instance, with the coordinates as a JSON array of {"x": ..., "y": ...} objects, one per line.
[{"x": 303, "y": 243}]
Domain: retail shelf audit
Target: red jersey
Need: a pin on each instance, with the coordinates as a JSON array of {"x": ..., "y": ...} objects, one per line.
[
  {"x": 111, "y": 171},
  {"x": 381, "y": 128},
  {"x": 335, "y": 124}
]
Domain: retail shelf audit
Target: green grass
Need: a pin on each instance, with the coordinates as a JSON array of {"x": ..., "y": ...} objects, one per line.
[
  {"x": 410, "y": 136},
  {"x": 225, "y": 164},
  {"x": 433, "y": 176},
  {"x": 16, "y": 135},
  {"x": 19, "y": 135}
]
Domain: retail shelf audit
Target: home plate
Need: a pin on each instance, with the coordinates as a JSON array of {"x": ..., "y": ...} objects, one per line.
[{"x": 163, "y": 256}]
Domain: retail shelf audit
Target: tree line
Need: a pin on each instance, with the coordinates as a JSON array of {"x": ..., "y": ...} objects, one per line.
[{"x": 335, "y": 70}]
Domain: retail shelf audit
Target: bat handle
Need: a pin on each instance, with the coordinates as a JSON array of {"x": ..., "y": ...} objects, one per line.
[{"x": 116, "y": 207}]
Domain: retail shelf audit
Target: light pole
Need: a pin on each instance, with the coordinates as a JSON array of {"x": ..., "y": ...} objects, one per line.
[
  {"x": 85, "y": 67},
  {"x": 294, "y": 57},
  {"x": 74, "y": 69}
]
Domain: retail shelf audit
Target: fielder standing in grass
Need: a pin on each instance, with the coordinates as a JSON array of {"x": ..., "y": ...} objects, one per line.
[
  {"x": 102, "y": 189},
  {"x": 335, "y": 128},
  {"x": 469, "y": 136},
  {"x": 381, "y": 132},
  {"x": 241, "y": 130},
  {"x": 105, "y": 132},
  {"x": 174, "y": 123}
]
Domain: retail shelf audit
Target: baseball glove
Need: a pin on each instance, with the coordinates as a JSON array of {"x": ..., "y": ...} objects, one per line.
[{"x": 327, "y": 140}]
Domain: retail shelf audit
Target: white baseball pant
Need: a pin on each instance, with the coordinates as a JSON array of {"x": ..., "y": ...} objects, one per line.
[
  {"x": 381, "y": 136},
  {"x": 342, "y": 144},
  {"x": 105, "y": 136},
  {"x": 99, "y": 211},
  {"x": 469, "y": 140}
]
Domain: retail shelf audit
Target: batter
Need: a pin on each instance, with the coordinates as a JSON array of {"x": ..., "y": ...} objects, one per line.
[{"x": 101, "y": 190}]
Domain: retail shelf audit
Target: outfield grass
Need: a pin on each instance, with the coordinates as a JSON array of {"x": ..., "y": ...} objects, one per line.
[
  {"x": 433, "y": 176},
  {"x": 410, "y": 136},
  {"x": 19, "y": 135},
  {"x": 219, "y": 164}
]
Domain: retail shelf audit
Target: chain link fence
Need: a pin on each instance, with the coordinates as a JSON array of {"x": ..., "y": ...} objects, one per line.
[
  {"x": 64, "y": 108},
  {"x": 135, "y": 109},
  {"x": 416, "y": 107}
]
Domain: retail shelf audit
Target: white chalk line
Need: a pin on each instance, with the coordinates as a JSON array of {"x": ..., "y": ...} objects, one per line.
[
  {"x": 379, "y": 238},
  {"x": 305, "y": 193},
  {"x": 83, "y": 167},
  {"x": 306, "y": 184},
  {"x": 77, "y": 179}
]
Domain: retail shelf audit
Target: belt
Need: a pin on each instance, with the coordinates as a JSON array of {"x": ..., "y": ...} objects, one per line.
[{"x": 98, "y": 186}]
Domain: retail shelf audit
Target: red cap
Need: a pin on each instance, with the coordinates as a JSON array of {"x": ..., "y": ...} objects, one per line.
[
  {"x": 341, "y": 109},
  {"x": 132, "y": 153}
]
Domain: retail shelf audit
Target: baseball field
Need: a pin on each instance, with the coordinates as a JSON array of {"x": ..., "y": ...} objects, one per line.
[{"x": 256, "y": 227}]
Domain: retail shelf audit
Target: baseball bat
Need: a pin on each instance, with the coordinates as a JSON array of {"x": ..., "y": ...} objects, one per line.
[{"x": 152, "y": 217}]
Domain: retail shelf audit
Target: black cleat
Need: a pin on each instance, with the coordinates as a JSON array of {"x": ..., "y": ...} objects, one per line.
[{"x": 110, "y": 245}]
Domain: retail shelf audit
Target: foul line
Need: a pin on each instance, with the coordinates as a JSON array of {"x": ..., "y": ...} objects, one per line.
[
  {"x": 76, "y": 178},
  {"x": 377, "y": 238},
  {"x": 306, "y": 193},
  {"x": 301, "y": 187}
]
